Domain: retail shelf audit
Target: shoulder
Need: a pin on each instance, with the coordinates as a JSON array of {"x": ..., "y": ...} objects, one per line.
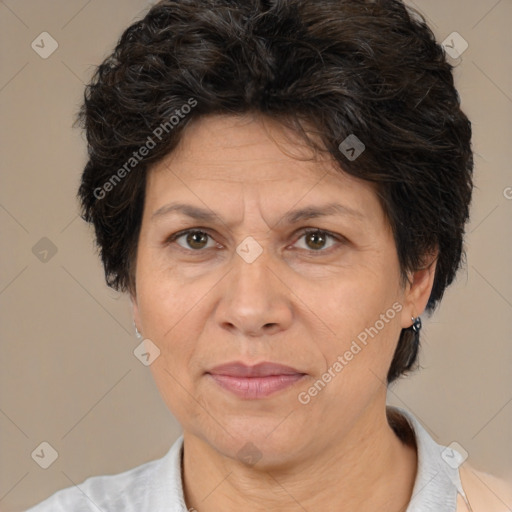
[
  {"x": 485, "y": 492},
  {"x": 438, "y": 481},
  {"x": 123, "y": 491}
]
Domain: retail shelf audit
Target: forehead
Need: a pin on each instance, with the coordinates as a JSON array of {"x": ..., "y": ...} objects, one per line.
[
  {"x": 224, "y": 147},
  {"x": 229, "y": 162},
  {"x": 221, "y": 145}
]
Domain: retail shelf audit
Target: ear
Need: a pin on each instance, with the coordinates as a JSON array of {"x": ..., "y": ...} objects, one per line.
[
  {"x": 135, "y": 311},
  {"x": 418, "y": 289}
]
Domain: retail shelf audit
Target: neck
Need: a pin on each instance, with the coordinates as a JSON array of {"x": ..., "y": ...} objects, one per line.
[{"x": 370, "y": 468}]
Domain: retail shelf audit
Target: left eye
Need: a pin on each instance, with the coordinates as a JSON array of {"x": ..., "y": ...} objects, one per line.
[{"x": 316, "y": 239}]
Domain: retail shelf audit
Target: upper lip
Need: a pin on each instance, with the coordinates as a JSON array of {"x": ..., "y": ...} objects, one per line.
[{"x": 238, "y": 369}]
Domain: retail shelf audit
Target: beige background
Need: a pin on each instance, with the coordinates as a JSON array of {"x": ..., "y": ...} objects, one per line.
[{"x": 68, "y": 375}]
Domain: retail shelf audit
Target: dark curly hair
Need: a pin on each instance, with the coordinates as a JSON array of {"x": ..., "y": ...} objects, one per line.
[{"x": 366, "y": 67}]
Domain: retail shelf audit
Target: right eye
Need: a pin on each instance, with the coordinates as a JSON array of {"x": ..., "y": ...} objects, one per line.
[{"x": 192, "y": 240}]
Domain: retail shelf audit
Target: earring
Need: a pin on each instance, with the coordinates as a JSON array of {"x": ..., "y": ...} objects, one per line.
[
  {"x": 416, "y": 324},
  {"x": 137, "y": 333},
  {"x": 415, "y": 341}
]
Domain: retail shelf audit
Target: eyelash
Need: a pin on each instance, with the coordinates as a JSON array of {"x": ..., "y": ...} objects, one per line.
[{"x": 304, "y": 232}]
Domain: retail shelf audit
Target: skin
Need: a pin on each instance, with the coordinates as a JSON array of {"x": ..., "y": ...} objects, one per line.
[{"x": 300, "y": 303}]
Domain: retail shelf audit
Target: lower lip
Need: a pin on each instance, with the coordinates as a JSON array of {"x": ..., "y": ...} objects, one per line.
[{"x": 256, "y": 387}]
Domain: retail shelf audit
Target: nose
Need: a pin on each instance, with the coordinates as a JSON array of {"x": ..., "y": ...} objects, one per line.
[{"x": 255, "y": 301}]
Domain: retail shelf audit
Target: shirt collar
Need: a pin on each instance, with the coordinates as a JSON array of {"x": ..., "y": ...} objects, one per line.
[{"x": 437, "y": 479}]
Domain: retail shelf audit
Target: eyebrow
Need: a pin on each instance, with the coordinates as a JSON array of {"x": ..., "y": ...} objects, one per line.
[{"x": 291, "y": 217}]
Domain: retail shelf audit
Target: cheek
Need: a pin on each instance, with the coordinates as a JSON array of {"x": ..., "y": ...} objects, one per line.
[
  {"x": 356, "y": 367},
  {"x": 357, "y": 303},
  {"x": 166, "y": 310},
  {"x": 164, "y": 300},
  {"x": 363, "y": 316},
  {"x": 168, "y": 319}
]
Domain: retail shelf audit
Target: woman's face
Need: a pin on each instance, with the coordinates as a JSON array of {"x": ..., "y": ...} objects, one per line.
[{"x": 250, "y": 287}]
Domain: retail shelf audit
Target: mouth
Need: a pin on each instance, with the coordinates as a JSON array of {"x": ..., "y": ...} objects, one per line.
[{"x": 254, "y": 382}]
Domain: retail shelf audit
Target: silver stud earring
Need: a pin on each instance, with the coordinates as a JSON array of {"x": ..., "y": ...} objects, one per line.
[{"x": 137, "y": 333}]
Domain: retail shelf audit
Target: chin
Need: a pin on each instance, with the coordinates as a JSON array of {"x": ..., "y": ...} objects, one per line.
[{"x": 263, "y": 443}]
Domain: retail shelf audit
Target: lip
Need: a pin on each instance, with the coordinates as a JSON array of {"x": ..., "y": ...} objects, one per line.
[
  {"x": 264, "y": 369},
  {"x": 256, "y": 381}
]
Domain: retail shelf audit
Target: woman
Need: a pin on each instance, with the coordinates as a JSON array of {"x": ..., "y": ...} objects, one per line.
[{"x": 282, "y": 189}]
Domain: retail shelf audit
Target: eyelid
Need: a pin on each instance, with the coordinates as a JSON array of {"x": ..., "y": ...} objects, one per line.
[
  {"x": 172, "y": 238},
  {"x": 308, "y": 230},
  {"x": 298, "y": 234}
]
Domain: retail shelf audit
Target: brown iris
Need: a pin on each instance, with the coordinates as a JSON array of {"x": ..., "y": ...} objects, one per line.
[
  {"x": 195, "y": 239},
  {"x": 318, "y": 239}
]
